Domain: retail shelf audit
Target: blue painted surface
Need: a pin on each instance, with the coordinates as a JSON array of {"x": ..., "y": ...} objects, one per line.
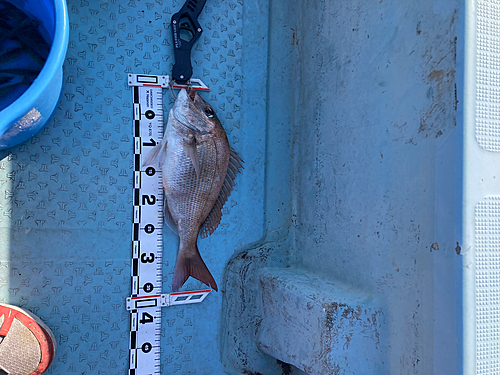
[
  {"x": 343, "y": 113},
  {"x": 28, "y": 114},
  {"x": 361, "y": 100},
  {"x": 66, "y": 215},
  {"x": 369, "y": 159}
]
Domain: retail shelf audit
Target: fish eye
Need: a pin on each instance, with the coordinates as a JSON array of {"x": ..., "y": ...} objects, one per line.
[{"x": 209, "y": 112}]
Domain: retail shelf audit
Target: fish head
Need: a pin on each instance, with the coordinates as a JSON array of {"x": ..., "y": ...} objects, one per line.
[{"x": 195, "y": 113}]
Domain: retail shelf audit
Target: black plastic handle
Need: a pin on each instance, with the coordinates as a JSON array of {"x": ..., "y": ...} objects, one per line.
[{"x": 185, "y": 31}]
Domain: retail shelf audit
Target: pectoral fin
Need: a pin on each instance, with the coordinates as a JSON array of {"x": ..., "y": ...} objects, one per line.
[
  {"x": 168, "y": 216},
  {"x": 155, "y": 155},
  {"x": 192, "y": 153}
]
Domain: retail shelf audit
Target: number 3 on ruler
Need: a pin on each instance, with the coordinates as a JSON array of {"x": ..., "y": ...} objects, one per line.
[{"x": 146, "y": 259}]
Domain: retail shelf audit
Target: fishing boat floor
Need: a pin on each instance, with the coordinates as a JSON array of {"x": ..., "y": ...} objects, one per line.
[{"x": 322, "y": 255}]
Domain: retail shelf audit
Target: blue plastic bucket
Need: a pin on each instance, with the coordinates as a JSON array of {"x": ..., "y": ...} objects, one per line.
[{"x": 31, "y": 111}]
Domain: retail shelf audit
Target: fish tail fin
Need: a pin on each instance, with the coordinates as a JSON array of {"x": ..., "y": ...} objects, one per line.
[{"x": 191, "y": 265}]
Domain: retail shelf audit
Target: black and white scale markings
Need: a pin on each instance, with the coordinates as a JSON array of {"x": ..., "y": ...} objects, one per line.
[{"x": 146, "y": 298}]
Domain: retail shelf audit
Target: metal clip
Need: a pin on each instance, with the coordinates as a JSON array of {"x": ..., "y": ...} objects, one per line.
[{"x": 185, "y": 30}]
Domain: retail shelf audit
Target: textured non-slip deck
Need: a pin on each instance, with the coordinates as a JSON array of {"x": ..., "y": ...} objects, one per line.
[
  {"x": 481, "y": 221},
  {"x": 66, "y": 194}
]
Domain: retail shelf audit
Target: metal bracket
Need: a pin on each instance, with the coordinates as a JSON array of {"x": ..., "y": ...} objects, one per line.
[
  {"x": 165, "y": 300},
  {"x": 165, "y": 81}
]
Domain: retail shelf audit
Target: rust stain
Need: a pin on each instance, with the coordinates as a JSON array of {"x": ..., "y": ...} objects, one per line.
[
  {"x": 437, "y": 75},
  {"x": 295, "y": 39},
  {"x": 348, "y": 339},
  {"x": 343, "y": 323},
  {"x": 441, "y": 83},
  {"x": 440, "y": 65}
]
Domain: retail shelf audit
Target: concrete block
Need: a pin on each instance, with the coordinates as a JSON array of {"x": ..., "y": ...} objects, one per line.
[{"x": 318, "y": 326}]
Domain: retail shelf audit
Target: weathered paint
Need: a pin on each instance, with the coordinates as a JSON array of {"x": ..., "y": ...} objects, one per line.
[
  {"x": 319, "y": 326},
  {"x": 362, "y": 101}
]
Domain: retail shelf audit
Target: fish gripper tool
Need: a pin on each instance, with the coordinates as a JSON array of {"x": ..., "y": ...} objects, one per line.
[{"x": 185, "y": 30}]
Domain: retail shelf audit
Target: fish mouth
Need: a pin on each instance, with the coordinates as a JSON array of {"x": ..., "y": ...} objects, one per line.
[
  {"x": 192, "y": 94},
  {"x": 182, "y": 104},
  {"x": 185, "y": 107}
]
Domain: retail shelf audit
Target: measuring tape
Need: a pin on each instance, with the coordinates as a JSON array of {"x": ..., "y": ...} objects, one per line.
[{"x": 146, "y": 298}]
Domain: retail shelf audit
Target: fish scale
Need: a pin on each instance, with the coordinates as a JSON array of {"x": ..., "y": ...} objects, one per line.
[
  {"x": 188, "y": 195},
  {"x": 190, "y": 205}
]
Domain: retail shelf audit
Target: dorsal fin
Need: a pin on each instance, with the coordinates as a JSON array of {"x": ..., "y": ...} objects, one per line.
[{"x": 213, "y": 218}]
